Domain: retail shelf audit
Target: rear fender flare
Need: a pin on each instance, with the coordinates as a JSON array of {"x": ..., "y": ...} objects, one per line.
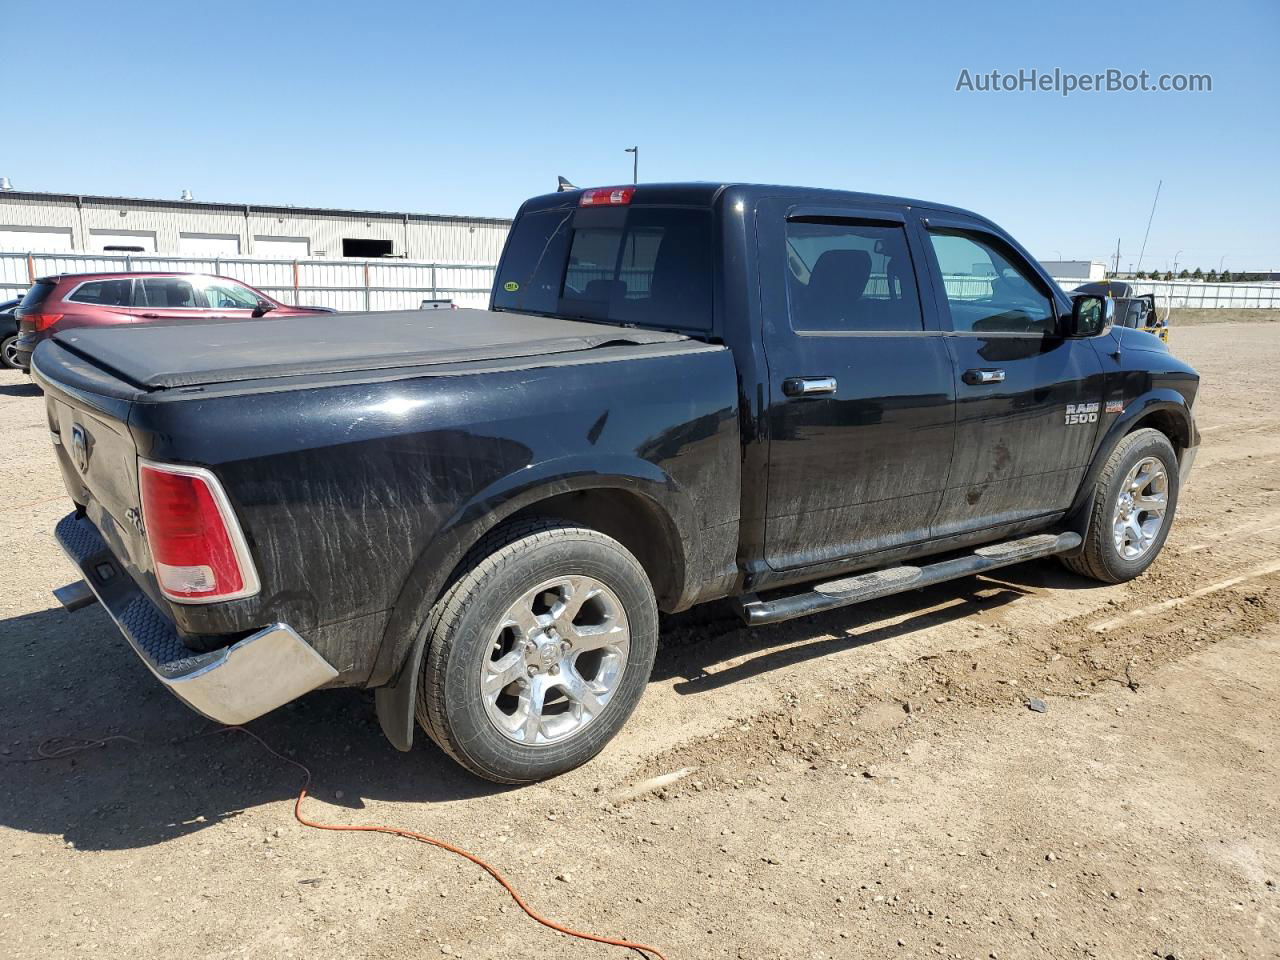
[{"x": 403, "y": 640}]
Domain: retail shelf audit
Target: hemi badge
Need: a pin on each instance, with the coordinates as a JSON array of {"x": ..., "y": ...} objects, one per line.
[{"x": 1115, "y": 406}]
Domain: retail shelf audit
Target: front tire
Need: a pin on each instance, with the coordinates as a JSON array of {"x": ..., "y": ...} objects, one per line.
[
  {"x": 538, "y": 654},
  {"x": 1133, "y": 507}
]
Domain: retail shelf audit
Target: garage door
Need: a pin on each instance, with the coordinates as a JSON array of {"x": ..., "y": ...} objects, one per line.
[
  {"x": 208, "y": 244},
  {"x": 24, "y": 239},
  {"x": 122, "y": 241},
  {"x": 281, "y": 248}
]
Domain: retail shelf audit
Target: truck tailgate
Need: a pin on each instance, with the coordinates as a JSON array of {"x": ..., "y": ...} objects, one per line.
[{"x": 99, "y": 462}]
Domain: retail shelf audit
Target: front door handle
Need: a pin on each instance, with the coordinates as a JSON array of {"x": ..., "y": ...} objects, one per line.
[
  {"x": 980, "y": 377},
  {"x": 150, "y": 316},
  {"x": 808, "y": 386}
]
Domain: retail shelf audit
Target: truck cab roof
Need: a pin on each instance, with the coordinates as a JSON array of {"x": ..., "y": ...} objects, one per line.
[{"x": 707, "y": 193}]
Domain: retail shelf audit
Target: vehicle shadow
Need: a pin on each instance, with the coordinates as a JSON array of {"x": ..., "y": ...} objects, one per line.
[
  {"x": 168, "y": 772},
  {"x": 1044, "y": 575},
  {"x": 74, "y": 676},
  {"x": 27, "y": 389},
  {"x": 696, "y": 643}
]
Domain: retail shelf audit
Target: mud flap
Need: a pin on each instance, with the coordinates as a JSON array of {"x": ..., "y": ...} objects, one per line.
[{"x": 395, "y": 710}]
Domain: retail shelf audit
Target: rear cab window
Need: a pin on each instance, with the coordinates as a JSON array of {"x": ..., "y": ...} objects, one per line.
[{"x": 646, "y": 266}]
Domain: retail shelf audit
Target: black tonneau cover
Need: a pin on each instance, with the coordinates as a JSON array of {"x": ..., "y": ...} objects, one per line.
[{"x": 160, "y": 356}]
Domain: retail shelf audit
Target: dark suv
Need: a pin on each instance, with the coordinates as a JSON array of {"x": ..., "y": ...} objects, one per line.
[{"x": 106, "y": 299}]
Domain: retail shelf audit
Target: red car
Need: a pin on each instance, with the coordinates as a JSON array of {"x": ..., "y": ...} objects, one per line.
[{"x": 102, "y": 299}]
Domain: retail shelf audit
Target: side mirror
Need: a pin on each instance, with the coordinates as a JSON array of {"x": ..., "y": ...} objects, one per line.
[
  {"x": 1091, "y": 315},
  {"x": 262, "y": 309}
]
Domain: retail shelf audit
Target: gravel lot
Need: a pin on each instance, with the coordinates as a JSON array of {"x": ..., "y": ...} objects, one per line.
[{"x": 867, "y": 782}]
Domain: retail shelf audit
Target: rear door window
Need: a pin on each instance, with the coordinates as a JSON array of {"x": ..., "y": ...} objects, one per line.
[
  {"x": 848, "y": 276},
  {"x": 647, "y": 266},
  {"x": 107, "y": 293},
  {"x": 168, "y": 292}
]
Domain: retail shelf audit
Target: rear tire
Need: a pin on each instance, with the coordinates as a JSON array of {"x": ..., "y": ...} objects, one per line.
[
  {"x": 1124, "y": 538},
  {"x": 7, "y": 355},
  {"x": 538, "y": 654}
]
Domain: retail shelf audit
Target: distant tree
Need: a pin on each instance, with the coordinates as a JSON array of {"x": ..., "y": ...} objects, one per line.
[
  {"x": 1140, "y": 275},
  {"x": 1197, "y": 274},
  {"x": 1184, "y": 274},
  {"x": 1226, "y": 276},
  {"x": 1212, "y": 276},
  {"x": 1168, "y": 274}
]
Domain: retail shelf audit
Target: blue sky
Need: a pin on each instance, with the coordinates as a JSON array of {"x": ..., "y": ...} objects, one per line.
[{"x": 469, "y": 108}]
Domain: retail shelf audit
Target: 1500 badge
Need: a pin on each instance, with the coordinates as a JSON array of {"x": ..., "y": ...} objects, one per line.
[{"x": 1082, "y": 413}]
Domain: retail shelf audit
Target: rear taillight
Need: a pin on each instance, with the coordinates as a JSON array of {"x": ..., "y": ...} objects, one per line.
[
  {"x": 42, "y": 321},
  {"x": 606, "y": 197},
  {"x": 196, "y": 545}
]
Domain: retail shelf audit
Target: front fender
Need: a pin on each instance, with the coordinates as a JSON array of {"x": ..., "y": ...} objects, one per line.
[
  {"x": 1160, "y": 405},
  {"x": 403, "y": 639}
]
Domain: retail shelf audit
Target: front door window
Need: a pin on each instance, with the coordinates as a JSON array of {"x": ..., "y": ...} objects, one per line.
[{"x": 987, "y": 291}]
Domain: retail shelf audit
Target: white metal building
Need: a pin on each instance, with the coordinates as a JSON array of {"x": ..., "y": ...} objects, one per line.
[
  {"x": 1075, "y": 269},
  {"x": 66, "y": 223}
]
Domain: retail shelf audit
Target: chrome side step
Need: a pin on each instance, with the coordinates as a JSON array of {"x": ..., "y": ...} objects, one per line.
[{"x": 883, "y": 583}]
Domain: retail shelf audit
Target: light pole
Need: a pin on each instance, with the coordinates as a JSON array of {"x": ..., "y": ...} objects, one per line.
[{"x": 635, "y": 163}]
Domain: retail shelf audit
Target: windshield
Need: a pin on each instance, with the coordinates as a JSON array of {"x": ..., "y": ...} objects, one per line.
[{"x": 647, "y": 266}]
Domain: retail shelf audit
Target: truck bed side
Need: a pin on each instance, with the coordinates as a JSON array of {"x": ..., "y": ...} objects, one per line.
[{"x": 356, "y": 494}]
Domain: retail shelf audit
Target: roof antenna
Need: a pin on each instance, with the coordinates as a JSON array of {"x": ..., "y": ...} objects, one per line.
[
  {"x": 1159, "y": 183},
  {"x": 563, "y": 185}
]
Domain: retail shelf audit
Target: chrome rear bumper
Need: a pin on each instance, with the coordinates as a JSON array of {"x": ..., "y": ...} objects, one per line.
[{"x": 233, "y": 684}]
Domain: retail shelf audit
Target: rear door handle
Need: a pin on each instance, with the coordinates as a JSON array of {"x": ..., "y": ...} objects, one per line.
[
  {"x": 980, "y": 377},
  {"x": 808, "y": 386}
]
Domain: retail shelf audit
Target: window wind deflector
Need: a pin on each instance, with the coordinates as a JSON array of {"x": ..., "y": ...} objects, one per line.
[{"x": 820, "y": 213}]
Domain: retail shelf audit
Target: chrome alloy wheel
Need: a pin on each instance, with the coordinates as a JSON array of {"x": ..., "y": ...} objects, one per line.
[
  {"x": 1140, "y": 508},
  {"x": 556, "y": 660},
  {"x": 11, "y": 354}
]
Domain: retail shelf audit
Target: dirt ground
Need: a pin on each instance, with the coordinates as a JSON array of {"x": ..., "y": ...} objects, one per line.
[{"x": 869, "y": 782}]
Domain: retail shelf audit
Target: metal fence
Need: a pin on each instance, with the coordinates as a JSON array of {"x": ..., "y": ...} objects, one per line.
[
  {"x": 1198, "y": 295},
  {"x": 1195, "y": 294},
  {"x": 341, "y": 284},
  {"x": 403, "y": 284}
]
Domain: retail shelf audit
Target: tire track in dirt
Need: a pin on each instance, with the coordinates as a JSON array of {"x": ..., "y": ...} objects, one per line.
[{"x": 855, "y": 725}]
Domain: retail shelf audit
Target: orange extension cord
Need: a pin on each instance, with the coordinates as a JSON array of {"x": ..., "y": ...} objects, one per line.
[{"x": 641, "y": 948}]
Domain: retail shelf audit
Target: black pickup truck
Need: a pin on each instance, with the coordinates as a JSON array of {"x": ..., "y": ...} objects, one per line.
[{"x": 790, "y": 399}]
